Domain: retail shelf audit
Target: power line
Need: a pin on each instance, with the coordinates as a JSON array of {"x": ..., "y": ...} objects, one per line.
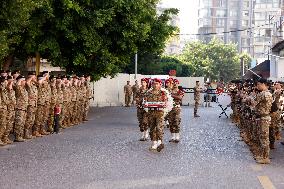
[{"x": 232, "y": 31}]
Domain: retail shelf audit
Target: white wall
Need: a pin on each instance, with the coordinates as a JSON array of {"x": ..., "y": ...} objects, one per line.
[{"x": 109, "y": 92}]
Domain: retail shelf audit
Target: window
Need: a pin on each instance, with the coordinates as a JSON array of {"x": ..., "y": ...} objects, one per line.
[
  {"x": 221, "y": 3},
  {"x": 245, "y": 23},
  {"x": 220, "y": 22},
  {"x": 219, "y": 30},
  {"x": 233, "y": 23},
  {"x": 246, "y": 13},
  {"x": 234, "y": 13},
  {"x": 220, "y": 13}
]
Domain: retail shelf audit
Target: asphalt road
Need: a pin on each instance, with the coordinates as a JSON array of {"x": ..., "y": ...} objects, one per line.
[{"x": 105, "y": 153}]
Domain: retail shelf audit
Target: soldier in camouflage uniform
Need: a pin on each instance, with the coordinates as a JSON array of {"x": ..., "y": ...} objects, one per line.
[
  {"x": 53, "y": 100},
  {"x": 39, "y": 126},
  {"x": 128, "y": 94},
  {"x": 141, "y": 113},
  {"x": 174, "y": 114},
  {"x": 21, "y": 108},
  {"x": 134, "y": 88},
  {"x": 197, "y": 91},
  {"x": 74, "y": 100},
  {"x": 11, "y": 104},
  {"x": 89, "y": 96},
  {"x": 83, "y": 98},
  {"x": 32, "y": 105},
  {"x": 64, "y": 113},
  {"x": 59, "y": 98},
  {"x": 47, "y": 100},
  {"x": 156, "y": 115},
  {"x": 3, "y": 108},
  {"x": 263, "y": 105}
]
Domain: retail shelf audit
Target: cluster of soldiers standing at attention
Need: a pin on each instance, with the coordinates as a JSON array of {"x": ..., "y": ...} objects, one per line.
[
  {"x": 257, "y": 107},
  {"x": 158, "y": 103},
  {"x": 34, "y": 106}
]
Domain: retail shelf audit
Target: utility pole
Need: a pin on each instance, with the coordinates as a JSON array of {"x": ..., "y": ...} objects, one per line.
[
  {"x": 239, "y": 27},
  {"x": 136, "y": 61}
]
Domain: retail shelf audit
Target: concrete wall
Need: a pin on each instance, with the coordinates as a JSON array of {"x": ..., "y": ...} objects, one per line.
[{"x": 109, "y": 92}]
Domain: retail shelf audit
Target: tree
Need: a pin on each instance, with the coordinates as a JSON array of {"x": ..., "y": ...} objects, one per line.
[{"x": 214, "y": 60}]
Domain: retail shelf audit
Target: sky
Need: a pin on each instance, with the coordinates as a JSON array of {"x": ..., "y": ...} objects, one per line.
[{"x": 188, "y": 14}]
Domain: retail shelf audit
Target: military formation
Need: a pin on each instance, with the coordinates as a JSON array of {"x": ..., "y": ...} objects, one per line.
[
  {"x": 257, "y": 107},
  {"x": 35, "y": 106}
]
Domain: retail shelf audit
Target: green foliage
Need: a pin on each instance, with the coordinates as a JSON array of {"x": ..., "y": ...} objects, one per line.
[
  {"x": 214, "y": 60},
  {"x": 97, "y": 37}
]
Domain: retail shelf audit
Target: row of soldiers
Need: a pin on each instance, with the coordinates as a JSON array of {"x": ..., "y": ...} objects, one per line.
[
  {"x": 155, "y": 105},
  {"x": 257, "y": 112},
  {"x": 35, "y": 106}
]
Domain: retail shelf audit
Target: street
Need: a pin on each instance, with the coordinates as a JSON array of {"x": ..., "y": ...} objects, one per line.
[{"x": 105, "y": 153}]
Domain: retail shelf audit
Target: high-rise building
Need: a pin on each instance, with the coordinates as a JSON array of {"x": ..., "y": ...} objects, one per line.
[{"x": 248, "y": 23}]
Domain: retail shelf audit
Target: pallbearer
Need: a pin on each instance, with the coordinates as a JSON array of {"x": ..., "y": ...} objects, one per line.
[
  {"x": 141, "y": 113},
  {"x": 155, "y": 102},
  {"x": 174, "y": 114}
]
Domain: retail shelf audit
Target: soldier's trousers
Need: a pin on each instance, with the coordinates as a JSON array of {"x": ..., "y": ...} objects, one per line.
[
  {"x": 142, "y": 119},
  {"x": 174, "y": 120},
  {"x": 263, "y": 130},
  {"x": 10, "y": 122},
  {"x": 51, "y": 118},
  {"x": 87, "y": 108},
  {"x": 156, "y": 125},
  {"x": 30, "y": 119},
  {"x": 74, "y": 112},
  {"x": 127, "y": 99},
  {"x": 196, "y": 104},
  {"x": 3, "y": 122},
  {"x": 64, "y": 114},
  {"x": 274, "y": 126},
  {"x": 40, "y": 118},
  {"x": 20, "y": 119}
]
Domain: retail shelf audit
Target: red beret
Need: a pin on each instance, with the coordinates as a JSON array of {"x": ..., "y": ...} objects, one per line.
[
  {"x": 167, "y": 80},
  {"x": 176, "y": 81},
  {"x": 157, "y": 80},
  {"x": 145, "y": 79}
]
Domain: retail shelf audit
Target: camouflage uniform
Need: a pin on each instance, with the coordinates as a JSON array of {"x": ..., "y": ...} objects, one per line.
[
  {"x": 31, "y": 110},
  {"x": 174, "y": 114},
  {"x": 141, "y": 113},
  {"x": 156, "y": 117},
  {"x": 262, "y": 109},
  {"x": 134, "y": 89},
  {"x": 275, "y": 118},
  {"x": 128, "y": 93},
  {"x": 73, "y": 106},
  {"x": 3, "y": 111},
  {"x": 41, "y": 112},
  {"x": 197, "y": 91},
  {"x": 21, "y": 111},
  {"x": 47, "y": 102},
  {"x": 64, "y": 113},
  {"x": 11, "y": 104},
  {"x": 53, "y": 100},
  {"x": 89, "y": 96},
  {"x": 60, "y": 102},
  {"x": 68, "y": 110}
]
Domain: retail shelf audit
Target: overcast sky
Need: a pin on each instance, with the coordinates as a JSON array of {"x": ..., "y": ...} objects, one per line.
[{"x": 188, "y": 14}]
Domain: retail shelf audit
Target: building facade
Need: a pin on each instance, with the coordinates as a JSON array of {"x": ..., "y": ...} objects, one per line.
[{"x": 248, "y": 23}]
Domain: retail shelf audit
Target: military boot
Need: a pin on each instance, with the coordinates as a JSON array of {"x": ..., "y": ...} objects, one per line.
[
  {"x": 160, "y": 146},
  {"x": 37, "y": 134},
  {"x": 177, "y": 139},
  {"x": 27, "y": 134},
  {"x": 43, "y": 132},
  {"x": 6, "y": 140},
  {"x": 173, "y": 138},
  {"x": 278, "y": 135},
  {"x": 2, "y": 143},
  {"x": 272, "y": 146},
  {"x": 154, "y": 146},
  {"x": 263, "y": 161},
  {"x": 19, "y": 139}
]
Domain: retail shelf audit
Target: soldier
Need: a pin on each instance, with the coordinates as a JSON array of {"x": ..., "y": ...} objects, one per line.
[
  {"x": 32, "y": 105},
  {"x": 47, "y": 89},
  {"x": 74, "y": 100},
  {"x": 128, "y": 93},
  {"x": 53, "y": 101},
  {"x": 89, "y": 96},
  {"x": 174, "y": 114},
  {"x": 3, "y": 108},
  {"x": 276, "y": 119},
  {"x": 16, "y": 74},
  {"x": 134, "y": 88},
  {"x": 82, "y": 99},
  {"x": 156, "y": 115},
  {"x": 141, "y": 113},
  {"x": 21, "y": 108},
  {"x": 263, "y": 105},
  {"x": 11, "y": 104},
  {"x": 59, "y": 98},
  {"x": 64, "y": 107},
  {"x": 39, "y": 126},
  {"x": 197, "y": 91}
]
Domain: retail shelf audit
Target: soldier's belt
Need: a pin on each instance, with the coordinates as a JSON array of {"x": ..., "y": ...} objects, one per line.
[{"x": 156, "y": 109}]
